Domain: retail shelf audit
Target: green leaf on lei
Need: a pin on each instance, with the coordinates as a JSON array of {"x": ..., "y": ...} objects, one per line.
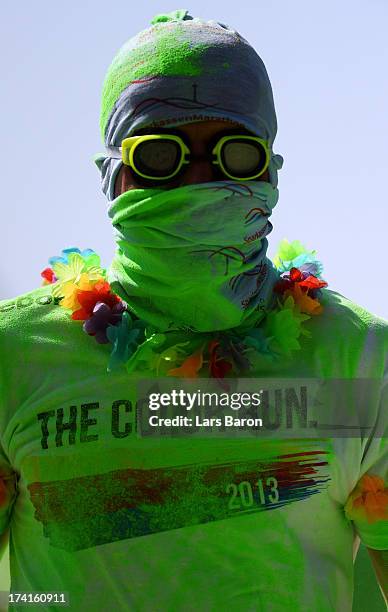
[
  {"x": 125, "y": 338},
  {"x": 287, "y": 251},
  {"x": 285, "y": 327},
  {"x": 169, "y": 358},
  {"x": 93, "y": 261},
  {"x": 144, "y": 358},
  {"x": 259, "y": 341}
]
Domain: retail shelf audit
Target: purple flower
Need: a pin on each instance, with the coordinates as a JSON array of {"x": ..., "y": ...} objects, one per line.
[
  {"x": 314, "y": 268},
  {"x": 103, "y": 316}
]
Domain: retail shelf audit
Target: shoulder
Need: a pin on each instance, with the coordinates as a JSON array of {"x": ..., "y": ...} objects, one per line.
[
  {"x": 32, "y": 306},
  {"x": 348, "y": 332},
  {"x": 29, "y": 314},
  {"x": 345, "y": 316},
  {"x": 27, "y": 303}
]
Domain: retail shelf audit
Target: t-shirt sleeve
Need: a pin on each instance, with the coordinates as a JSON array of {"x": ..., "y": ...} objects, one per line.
[
  {"x": 8, "y": 490},
  {"x": 367, "y": 505},
  {"x": 8, "y": 476}
]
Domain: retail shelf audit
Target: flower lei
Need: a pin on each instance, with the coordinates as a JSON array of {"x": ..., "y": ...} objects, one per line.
[{"x": 80, "y": 285}]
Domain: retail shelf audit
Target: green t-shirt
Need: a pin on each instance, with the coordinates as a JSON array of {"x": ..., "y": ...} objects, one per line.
[{"x": 128, "y": 523}]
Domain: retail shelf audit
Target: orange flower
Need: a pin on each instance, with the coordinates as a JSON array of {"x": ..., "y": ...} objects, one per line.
[
  {"x": 190, "y": 367},
  {"x": 69, "y": 291},
  {"x": 88, "y": 299},
  {"x": 369, "y": 500},
  {"x": 306, "y": 304}
]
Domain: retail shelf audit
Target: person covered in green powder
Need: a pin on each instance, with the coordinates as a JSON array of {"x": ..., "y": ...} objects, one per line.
[{"x": 181, "y": 522}]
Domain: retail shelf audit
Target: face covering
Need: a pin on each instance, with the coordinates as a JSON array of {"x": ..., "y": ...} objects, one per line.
[{"x": 194, "y": 257}]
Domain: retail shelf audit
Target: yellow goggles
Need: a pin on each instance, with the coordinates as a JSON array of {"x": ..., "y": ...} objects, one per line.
[{"x": 160, "y": 157}]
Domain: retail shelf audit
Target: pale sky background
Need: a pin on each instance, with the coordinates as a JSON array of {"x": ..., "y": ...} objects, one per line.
[{"x": 327, "y": 62}]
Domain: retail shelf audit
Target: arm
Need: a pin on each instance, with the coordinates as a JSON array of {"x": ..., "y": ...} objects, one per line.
[
  {"x": 4, "y": 541},
  {"x": 380, "y": 563}
]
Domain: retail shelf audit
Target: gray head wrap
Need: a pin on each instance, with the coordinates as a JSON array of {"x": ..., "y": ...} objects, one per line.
[{"x": 183, "y": 70}]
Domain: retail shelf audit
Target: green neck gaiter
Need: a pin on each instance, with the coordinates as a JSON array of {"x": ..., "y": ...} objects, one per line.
[{"x": 194, "y": 257}]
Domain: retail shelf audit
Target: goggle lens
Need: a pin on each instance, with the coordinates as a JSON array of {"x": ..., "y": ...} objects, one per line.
[
  {"x": 242, "y": 158},
  {"x": 157, "y": 158}
]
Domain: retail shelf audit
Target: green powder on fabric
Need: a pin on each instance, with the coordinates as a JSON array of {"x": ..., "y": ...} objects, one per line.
[
  {"x": 166, "y": 54},
  {"x": 180, "y": 14}
]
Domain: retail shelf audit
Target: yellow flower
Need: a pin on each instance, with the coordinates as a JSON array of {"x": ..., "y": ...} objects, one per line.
[
  {"x": 69, "y": 291},
  {"x": 72, "y": 273}
]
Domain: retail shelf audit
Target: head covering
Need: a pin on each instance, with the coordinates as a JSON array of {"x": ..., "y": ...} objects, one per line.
[{"x": 181, "y": 70}]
